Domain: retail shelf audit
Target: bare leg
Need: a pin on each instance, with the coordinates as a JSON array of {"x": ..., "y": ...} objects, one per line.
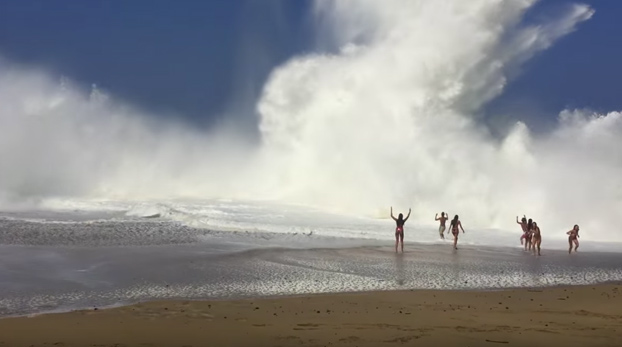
[
  {"x": 539, "y": 242},
  {"x": 570, "y": 244},
  {"x": 576, "y": 244},
  {"x": 397, "y": 241},
  {"x": 533, "y": 247},
  {"x": 455, "y": 241}
]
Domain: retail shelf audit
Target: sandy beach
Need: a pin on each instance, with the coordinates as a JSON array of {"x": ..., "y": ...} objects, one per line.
[{"x": 572, "y": 316}]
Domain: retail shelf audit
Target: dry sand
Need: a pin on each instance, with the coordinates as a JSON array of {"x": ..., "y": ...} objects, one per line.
[{"x": 571, "y": 316}]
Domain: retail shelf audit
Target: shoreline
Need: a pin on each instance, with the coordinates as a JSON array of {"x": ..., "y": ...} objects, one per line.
[
  {"x": 237, "y": 298},
  {"x": 575, "y": 315}
]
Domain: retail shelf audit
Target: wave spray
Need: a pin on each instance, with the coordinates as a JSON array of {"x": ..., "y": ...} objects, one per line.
[{"x": 387, "y": 113}]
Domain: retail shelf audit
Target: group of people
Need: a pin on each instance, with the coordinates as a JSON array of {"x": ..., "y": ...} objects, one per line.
[
  {"x": 531, "y": 237},
  {"x": 454, "y": 226}
]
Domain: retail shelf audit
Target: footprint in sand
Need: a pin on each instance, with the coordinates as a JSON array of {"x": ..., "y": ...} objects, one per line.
[
  {"x": 308, "y": 325},
  {"x": 405, "y": 339},
  {"x": 350, "y": 339}
]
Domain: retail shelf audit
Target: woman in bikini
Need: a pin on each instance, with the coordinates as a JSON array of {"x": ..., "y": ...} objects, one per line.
[
  {"x": 399, "y": 230},
  {"x": 573, "y": 237},
  {"x": 454, "y": 225},
  {"x": 536, "y": 238},
  {"x": 528, "y": 243}
]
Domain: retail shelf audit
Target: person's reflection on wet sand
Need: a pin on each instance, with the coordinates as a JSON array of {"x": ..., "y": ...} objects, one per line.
[{"x": 399, "y": 267}]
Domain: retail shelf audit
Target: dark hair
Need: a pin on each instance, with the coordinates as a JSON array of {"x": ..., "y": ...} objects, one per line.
[
  {"x": 524, "y": 220},
  {"x": 442, "y": 214},
  {"x": 454, "y": 221},
  {"x": 400, "y": 216},
  {"x": 529, "y": 224}
]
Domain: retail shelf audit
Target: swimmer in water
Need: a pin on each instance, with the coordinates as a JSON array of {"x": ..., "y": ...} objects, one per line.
[
  {"x": 523, "y": 225},
  {"x": 399, "y": 230},
  {"x": 573, "y": 237},
  {"x": 455, "y": 223},
  {"x": 441, "y": 227},
  {"x": 536, "y": 238}
]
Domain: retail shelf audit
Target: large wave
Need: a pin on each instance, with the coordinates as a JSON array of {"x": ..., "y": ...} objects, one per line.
[
  {"x": 60, "y": 141},
  {"x": 387, "y": 114}
]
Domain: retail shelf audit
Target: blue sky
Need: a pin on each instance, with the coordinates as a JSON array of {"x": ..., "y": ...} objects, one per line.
[
  {"x": 582, "y": 70},
  {"x": 196, "y": 59}
]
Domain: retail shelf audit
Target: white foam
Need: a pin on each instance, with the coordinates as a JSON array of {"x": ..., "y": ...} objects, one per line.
[
  {"x": 148, "y": 210},
  {"x": 258, "y": 218},
  {"x": 388, "y": 115}
]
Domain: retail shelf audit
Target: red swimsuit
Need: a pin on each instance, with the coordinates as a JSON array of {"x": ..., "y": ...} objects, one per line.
[
  {"x": 454, "y": 228},
  {"x": 399, "y": 230}
]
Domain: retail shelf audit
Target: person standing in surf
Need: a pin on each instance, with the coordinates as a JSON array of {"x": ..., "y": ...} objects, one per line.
[
  {"x": 399, "y": 229},
  {"x": 523, "y": 225},
  {"x": 573, "y": 237},
  {"x": 441, "y": 227},
  {"x": 454, "y": 225},
  {"x": 528, "y": 235},
  {"x": 536, "y": 238}
]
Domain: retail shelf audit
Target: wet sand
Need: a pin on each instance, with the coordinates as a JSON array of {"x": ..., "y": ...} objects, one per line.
[
  {"x": 570, "y": 315},
  {"x": 44, "y": 279}
]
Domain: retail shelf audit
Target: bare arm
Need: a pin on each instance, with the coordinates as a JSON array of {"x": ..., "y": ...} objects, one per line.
[
  {"x": 436, "y": 217},
  {"x": 392, "y": 213},
  {"x": 408, "y": 215},
  {"x": 460, "y": 224}
]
